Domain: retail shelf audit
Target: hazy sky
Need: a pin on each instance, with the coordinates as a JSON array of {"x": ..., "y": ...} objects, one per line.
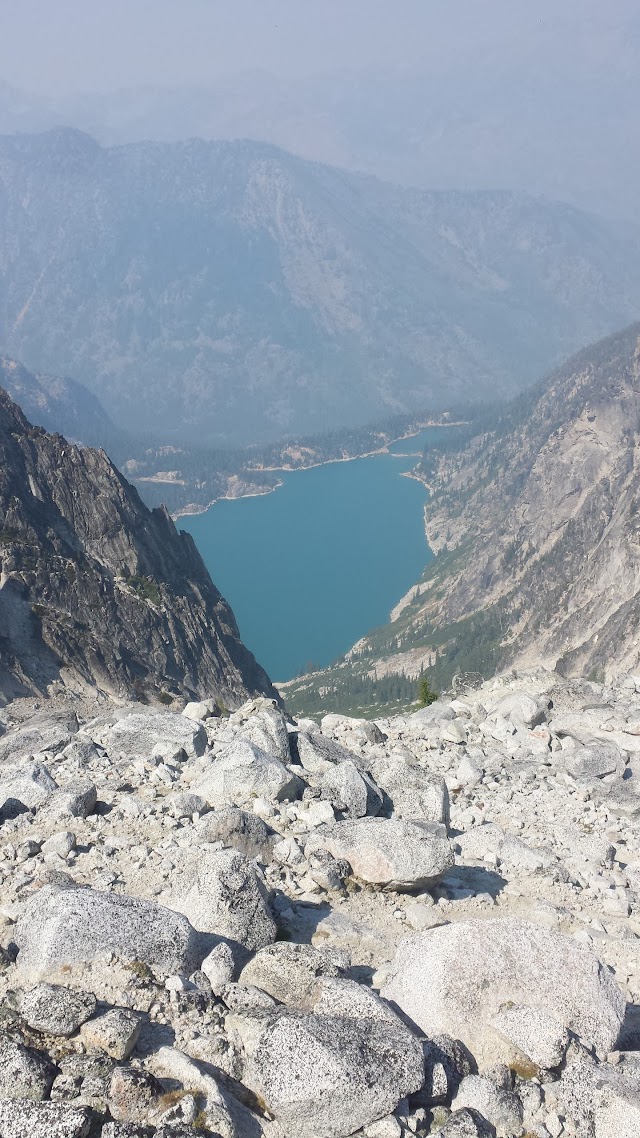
[{"x": 59, "y": 46}]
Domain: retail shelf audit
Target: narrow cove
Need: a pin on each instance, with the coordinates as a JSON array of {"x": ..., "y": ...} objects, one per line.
[{"x": 312, "y": 567}]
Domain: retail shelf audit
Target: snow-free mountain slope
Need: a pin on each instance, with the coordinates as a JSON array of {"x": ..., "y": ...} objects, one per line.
[
  {"x": 536, "y": 528},
  {"x": 233, "y": 292},
  {"x": 97, "y": 591}
]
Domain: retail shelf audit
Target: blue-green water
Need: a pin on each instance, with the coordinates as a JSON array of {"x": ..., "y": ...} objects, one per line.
[{"x": 311, "y": 568}]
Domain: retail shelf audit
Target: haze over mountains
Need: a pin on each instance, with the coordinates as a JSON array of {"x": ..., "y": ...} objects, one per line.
[
  {"x": 236, "y": 293},
  {"x": 58, "y": 404},
  {"x": 479, "y": 127},
  {"x": 226, "y": 917}
]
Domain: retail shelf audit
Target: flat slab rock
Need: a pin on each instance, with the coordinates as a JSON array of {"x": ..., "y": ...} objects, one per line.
[
  {"x": 41, "y": 733},
  {"x": 61, "y": 925},
  {"x": 56, "y": 1010},
  {"x": 138, "y": 734},
  {"x": 394, "y": 853},
  {"x": 453, "y": 980},
  {"x": 288, "y": 971},
  {"x": 43, "y": 1120}
]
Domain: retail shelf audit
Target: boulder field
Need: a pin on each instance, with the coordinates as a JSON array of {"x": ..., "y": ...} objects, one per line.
[{"x": 246, "y": 926}]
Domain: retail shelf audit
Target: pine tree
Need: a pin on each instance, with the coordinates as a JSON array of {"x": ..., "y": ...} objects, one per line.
[{"x": 426, "y": 694}]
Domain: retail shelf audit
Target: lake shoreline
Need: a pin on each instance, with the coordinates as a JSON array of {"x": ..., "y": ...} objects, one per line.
[
  {"x": 193, "y": 510},
  {"x": 328, "y": 557}
]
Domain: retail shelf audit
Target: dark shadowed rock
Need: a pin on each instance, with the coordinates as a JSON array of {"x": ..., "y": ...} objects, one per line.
[
  {"x": 24, "y": 1073},
  {"x": 467, "y": 1124},
  {"x": 501, "y": 1107},
  {"x": 240, "y": 830}
]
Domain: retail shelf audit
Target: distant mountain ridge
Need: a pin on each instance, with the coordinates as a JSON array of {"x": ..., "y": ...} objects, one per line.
[
  {"x": 58, "y": 404},
  {"x": 536, "y": 527},
  {"x": 429, "y": 127},
  {"x": 97, "y": 591},
  {"x": 233, "y": 292}
]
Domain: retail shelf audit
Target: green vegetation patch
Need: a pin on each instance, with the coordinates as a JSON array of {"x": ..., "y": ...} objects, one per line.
[
  {"x": 348, "y": 691},
  {"x": 474, "y": 644},
  {"x": 426, "y": 694},
  {"x": 145, "y": 588}
]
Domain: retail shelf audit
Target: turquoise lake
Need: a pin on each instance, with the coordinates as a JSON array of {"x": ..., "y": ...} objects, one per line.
[{"x": 312, "y": 567}]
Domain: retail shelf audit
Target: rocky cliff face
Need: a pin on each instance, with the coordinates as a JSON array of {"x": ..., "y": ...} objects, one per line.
[
  {"x": 233, "y": 292},
  {"x": 540, "y": 516},
  {"x": 95, "y": 589}
]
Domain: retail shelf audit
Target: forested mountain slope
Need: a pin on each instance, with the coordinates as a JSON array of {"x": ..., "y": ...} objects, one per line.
[{"x": 232, "y": 292}]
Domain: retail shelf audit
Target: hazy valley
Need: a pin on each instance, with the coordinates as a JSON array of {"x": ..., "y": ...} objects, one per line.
[
  {"x": 200, "y": 895},
  {"x": 290, "y": 302}
]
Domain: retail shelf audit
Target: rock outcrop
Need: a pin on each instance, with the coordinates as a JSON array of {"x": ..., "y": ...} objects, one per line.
[
  {"x": 97, "y": 591},
  {"x": 60, "y": 405},
  {"x": 539, "y": 518},
  {"x": 460, "y": 978}
]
